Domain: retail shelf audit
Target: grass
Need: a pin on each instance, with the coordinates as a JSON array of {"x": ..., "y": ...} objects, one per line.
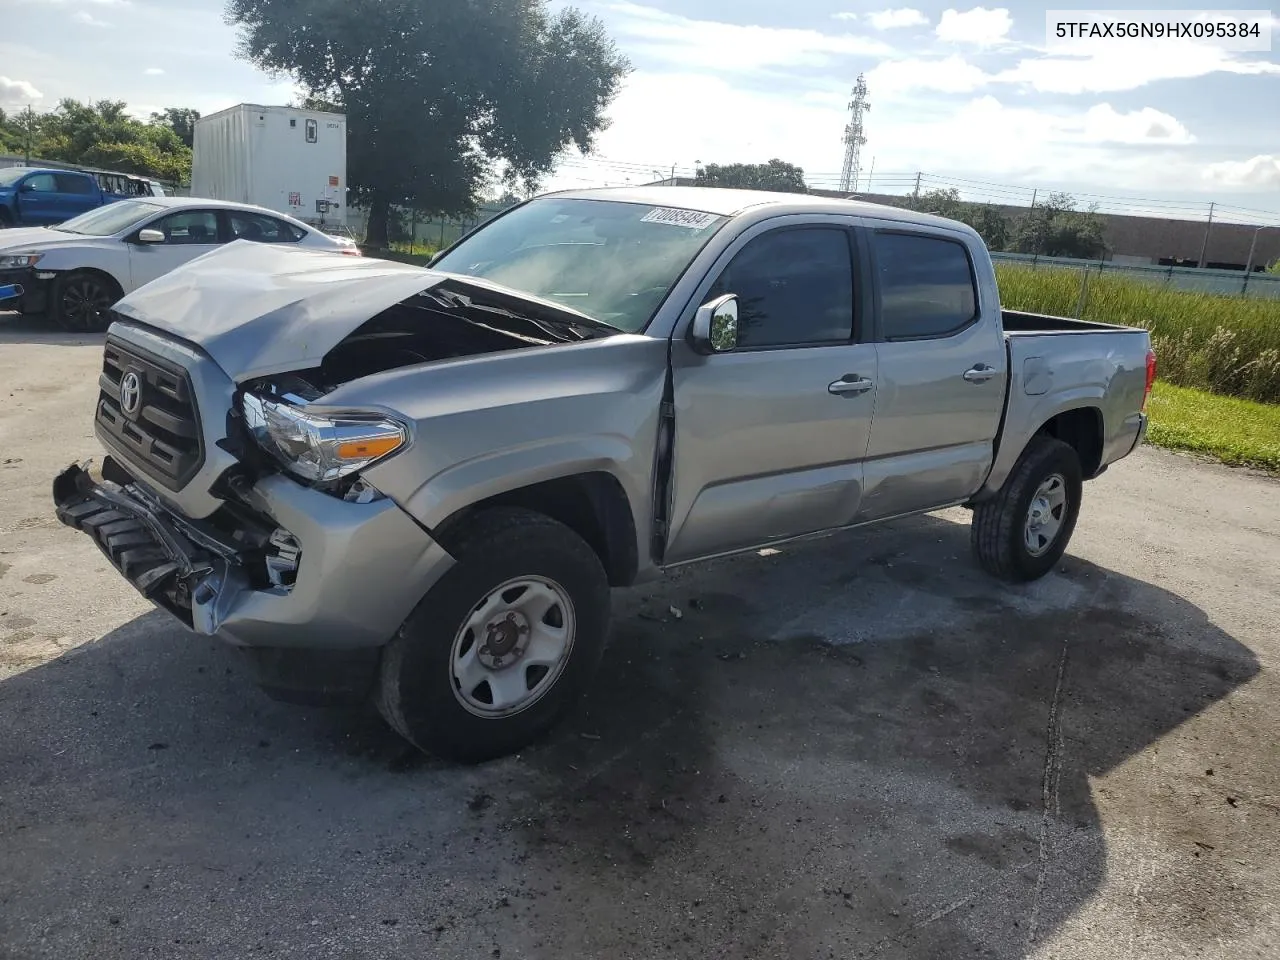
[
  {"x": 1237, "y": 432},
  {"x": 1222, "y": 344}
]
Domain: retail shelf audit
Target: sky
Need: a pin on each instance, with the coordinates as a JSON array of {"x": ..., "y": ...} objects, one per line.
[{"x": 971, "y": 96}]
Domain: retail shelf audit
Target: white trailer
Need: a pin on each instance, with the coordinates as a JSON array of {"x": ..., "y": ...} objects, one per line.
[{"x": 282, "y": 158}]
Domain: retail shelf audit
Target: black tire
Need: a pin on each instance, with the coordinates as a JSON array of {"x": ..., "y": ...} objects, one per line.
[
  {"x": 6, "y": 219},
  {"x": 417, "y": 692},
  {"x": 1000, "y": 525},
  {"x": 80, "y": 300}
]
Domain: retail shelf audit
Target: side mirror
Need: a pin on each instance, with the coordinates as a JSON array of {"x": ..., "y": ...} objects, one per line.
[
  {"x": 27, "y": 187},
  {"x": 150, "y": 235},
  {"x": 715, "y": 325}
]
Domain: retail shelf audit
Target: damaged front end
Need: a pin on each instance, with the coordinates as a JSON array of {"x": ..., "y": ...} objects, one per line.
[{"x": 194, "y": 570}]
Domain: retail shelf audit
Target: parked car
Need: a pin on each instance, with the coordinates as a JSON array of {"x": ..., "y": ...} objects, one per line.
[
  {"x": 78, "y": 269},
  {"x": 419, "y": 485},
  {"x": 33, "y": 196}
]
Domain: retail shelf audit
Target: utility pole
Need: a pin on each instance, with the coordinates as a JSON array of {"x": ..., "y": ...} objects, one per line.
[
  {"x": 1034, "y": 192},
  {"x": 871, "y": 174},
  {"x": 1248, "y": 267},
  {"x": 30, "y": 125},
  {"x": 1204, "y": 248},
  {"x": 916, "y": 195}
]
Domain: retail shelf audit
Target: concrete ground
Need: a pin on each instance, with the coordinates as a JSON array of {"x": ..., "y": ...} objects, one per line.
[{"x": 860, "y": 747}]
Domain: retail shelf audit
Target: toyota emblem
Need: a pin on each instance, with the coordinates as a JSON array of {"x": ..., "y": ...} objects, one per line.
[{"x": 130, "y": 393}]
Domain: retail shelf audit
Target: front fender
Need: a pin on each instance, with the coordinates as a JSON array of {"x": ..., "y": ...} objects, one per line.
[{"x": 486, "y": 476}]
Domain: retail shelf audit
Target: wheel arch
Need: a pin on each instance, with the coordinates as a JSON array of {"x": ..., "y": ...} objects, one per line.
[{"x": 592, "y": 503}]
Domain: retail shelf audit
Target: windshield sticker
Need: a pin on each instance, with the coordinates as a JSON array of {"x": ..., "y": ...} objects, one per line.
[{"x": 692, "y": 219}]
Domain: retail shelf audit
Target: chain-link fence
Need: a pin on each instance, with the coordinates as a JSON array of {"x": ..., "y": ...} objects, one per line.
[{"x": 1235, "y": 283}]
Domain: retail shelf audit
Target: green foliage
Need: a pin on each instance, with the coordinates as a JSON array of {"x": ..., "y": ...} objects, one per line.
[
  {"x": 1274, "y": 268},
  {"x": 1227, "y": 345},
  {"x": 101, "y": 134},
  {"x": 181, "y": 120},
  {"x": 14, "y": 128},
  {"x": 1236, "y": 432},
  {"x": 987, "y": 219},
  {"x": 775, "y": 175},
  {"x": 439, "y": 94},
  {"x": 1056, "y": 228}
]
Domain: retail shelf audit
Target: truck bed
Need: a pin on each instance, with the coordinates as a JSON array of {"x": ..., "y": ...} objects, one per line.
[{"x": 1017, "y": 322}]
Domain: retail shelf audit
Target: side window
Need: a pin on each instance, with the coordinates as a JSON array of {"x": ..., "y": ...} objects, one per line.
[
  {"x": 41, "y": 183},
  {"x": 794, "y": 286},
  {"x": 926, "y": 286},
  {"x": 189, "y": 226},
  {"x": 261, "y": 228},
  {"x": 69, "y": 183}
]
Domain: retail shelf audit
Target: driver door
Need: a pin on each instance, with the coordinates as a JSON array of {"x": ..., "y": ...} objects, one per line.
[
  {"x": 38, "y": 200},
  {"x": 187, "y": 235},
  {"x": 770, "y": 436}
]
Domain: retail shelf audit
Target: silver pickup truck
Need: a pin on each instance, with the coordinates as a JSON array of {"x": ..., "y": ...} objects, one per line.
[{"x": 418, "y": 485}]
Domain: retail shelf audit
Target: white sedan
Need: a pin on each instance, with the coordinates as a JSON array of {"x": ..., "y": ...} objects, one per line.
[{"x": 76, "y": 270}]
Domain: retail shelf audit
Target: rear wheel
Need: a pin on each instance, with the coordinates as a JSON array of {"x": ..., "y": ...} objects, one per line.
[
  {"x": 506, "y": 641},
  {"x": 82, "y": 300},
  {"x": 1023, "y": 531}
]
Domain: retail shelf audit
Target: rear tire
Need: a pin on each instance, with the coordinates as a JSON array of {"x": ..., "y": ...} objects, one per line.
[
  {"x": 81, "y": 300},
  {"x": 503, "y": 644},
  {"x": 1022, "y": 532}
]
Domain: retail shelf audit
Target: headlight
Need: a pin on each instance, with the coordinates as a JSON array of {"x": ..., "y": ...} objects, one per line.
[
  {"x": 321, "y": 448},
  {"x": 19, "y": 260}
]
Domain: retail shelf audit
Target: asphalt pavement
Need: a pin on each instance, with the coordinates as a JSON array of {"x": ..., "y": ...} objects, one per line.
[{"x": 857, "y": 747}]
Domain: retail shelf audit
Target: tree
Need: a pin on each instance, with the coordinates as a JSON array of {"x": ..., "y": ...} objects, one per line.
[
  {"x": 181, "y": 120},
  {"x": 440, "y": 93},
  {"x": 102, "y": 134},
  {"x": 985, "y": 218},
  {"x": 774, "y": 175},
  {"x": 1057, "y": 229}
]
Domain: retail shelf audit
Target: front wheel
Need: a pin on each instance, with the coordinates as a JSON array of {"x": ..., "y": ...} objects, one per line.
[
  {"x": 1020, "y": 534},
  {"x": 503, "y": 644},
  {"x": 82, "y": 301}
]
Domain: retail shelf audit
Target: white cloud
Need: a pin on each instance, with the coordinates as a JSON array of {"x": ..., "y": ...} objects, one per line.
[
  {"x": 1109, "y": 70},
  {"x": 18, "y": 92},
  {"x": 89, "y": 20},
  {"x": 153, "y": 72},
  {"x": 844, "y": 15},
  {"x": 893, "y": 19},
  {"x": 952, "y": 74},
  {"x": 979, "y": 26},
  {"x": 1260, "y": 171},
  {"x": 706, "y": 45}
]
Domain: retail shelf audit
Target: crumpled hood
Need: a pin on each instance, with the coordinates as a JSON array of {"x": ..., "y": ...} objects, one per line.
[{"x": 259, "y": 309}]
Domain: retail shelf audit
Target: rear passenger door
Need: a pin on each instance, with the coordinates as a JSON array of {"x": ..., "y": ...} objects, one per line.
[
  {"x": 942, "y": 373},
  {"x": 77, "y": 194},
  {"x": 769, "y": 437}
]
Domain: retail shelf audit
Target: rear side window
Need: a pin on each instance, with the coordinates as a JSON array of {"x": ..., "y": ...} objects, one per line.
[
  {"x": 794, "y": 286},
  {"x": 926, "y": 286},
  {"x": 70, "y": 183},
  {"x": 261, "y": 228}
]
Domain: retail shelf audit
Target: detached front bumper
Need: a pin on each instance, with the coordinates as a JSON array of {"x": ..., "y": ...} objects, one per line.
[{"x": 361, "y": 567}]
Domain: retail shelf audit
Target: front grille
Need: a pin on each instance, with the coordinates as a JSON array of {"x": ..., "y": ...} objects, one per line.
[{"x": 160, "y": 431}]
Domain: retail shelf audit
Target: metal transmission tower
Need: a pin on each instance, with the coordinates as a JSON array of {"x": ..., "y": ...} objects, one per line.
[{"x": 853, "y": 137}]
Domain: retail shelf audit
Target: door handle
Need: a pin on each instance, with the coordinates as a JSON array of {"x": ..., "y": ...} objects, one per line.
[
  {"x": 850, "y": 383},
  {"x": 980, "y": 374}
]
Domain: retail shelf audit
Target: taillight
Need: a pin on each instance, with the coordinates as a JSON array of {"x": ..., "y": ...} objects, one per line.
[
  {"x": 352, "y": 252},
  {"x": 1151, "y": 377}
]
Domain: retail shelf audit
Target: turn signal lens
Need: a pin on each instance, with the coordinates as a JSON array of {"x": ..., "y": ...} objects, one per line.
[{"x": 370, "y": 448}]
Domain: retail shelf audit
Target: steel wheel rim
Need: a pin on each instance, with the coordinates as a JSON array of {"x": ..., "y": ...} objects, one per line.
[
  {"x": 84, "y": 302},
  {"x": 1045, "y": 515},
  {"x": 513, "y": 647}
]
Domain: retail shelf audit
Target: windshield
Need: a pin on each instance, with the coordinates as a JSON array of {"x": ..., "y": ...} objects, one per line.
[
  {"x": 11, "y": 175},
  {"x": 111, "y": 219},
  {"x": 612, "y": 261}
]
